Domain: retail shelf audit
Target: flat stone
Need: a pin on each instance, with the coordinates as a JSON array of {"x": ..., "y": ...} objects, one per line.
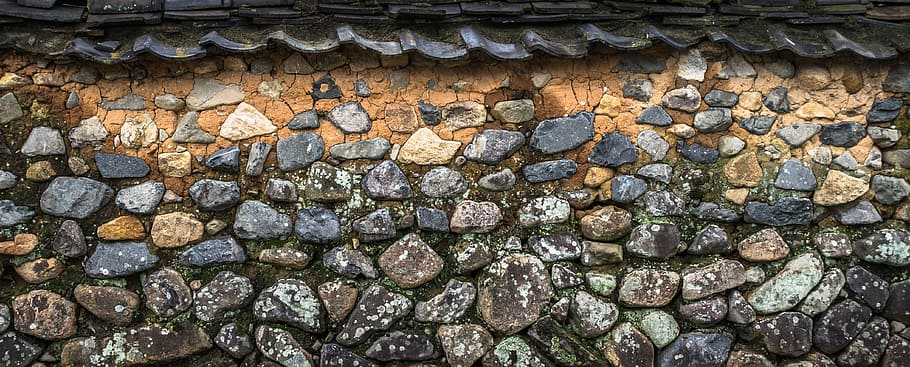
[
  {"x": 475, "y": 217},
  {"x": 493, "y": 146},
  {"x": 142, "y": 198},
  {"x": 189, "y": 131},
  {"x": 821, "y": 298},
  {"x": 786, "y": 211},
  {"x": 764, "y": 245},
  {"x": 280, "y": 190},
  {"x": 18, "y": 351},
  {"x": 886, "y": 246},
  {"x": 653, "y": 144},
  {"x": 327, "y": 183},
  {"x": 74, "y": 197},
  {"x": 845, "y": 161},
  {"x": 43, "y": 141},
  {"x": 798, "y": 134},
  {"x": 424, "y": 147},
  {"x": 857, "y": 213},
  {"x": 255, "y": 164},
  {"x": 696, "y": 349},
  {"x": 513, "y": 112},
  {"x": 119, "y": 259},
  {"x": 839, "y": 188},
  {"x": 373, "y": 149},
  {"x": 556, "y": 247},
  {"x": 549, "y": 170},
  {"x": 209, "y": 93},
  {"x": 44, "y": 314},
  {"x": 626, "y": 189},
  {"x": 169, "y": 102},
  {"x": 397, "y": 346},
  {"x": 299, "y": 151},
  {"x": 884, "y": 110},
  {"x": 410, "y": 262},
  {"x": 786, "y": 334},
  {"x": 883, "y": 137},
  {"x": 256, "y": 220},
  {"x": 449, "y": 305},
  {"x": 683, "y": 99},
  {"x": 112, "y": 304},
  {"x": 175, "y": 164},
  {"x": 351, "y": 118},
  {"x": 794, "y": 175},
  {"x": 292, "y": 302},
  {"x": 244, "y": 123},
  {"x": 513, "y": 292},
  {"x": 503, "y": 180},
  {"x": 214, "y": 195},
  {"x": 463, "y": 114},
  {"x": 8, "y": 180},
  {"x": 349, "y": 262},
  {"x": 120, "y": 166},
  {"x": 378, "y": 225},
  {"x": 713, "y": 119},
  {"x": 654, "y": 115},
  {"x": 739, "y": 311},
  {"x": 129, "y": 102},
  {"x": 839, "y": 325},
  {"x": 898, "y": 79},
  {"x": 9, "y": 109},
  {"x": 285, "y": 257},
  {"x": 464, "y": 344},
  {"x": 563, "y": 133},
  {"x": 720, "y": 98},
  {"x": 788, "y": 287},
  {"x": 844, "y": 134},
  {"x": 743, "y": 170},
  {"x": 12, "y": 81},
  {"x": 213, "y": 252},
  {"x": 166, "y": 292},
  {"x": 225, "y": 293},
  {"x": 648, "y": 288},
  {"x": 692, "y": 66},
  {"x": 377, "y": 310},
  {"x": 400, "y": 117},
  {"x": 317, "y": 225},
  {"x": 659, "y": 241},
  {"x": 609, "y": 105},
  {"x": 305, "y": 120},
  {"x": 606, "y": 224},
  {"x": 777, "y": 101},
  {"x": 613, "y": 150},
  {"x": 543, "y": 210},
  {"x": 443, "y": 182},
  {"x": 225, "y": 160},
  {"x": 696, "y": 152},
  {"x": 145, "y": 343},
  {"x": 712, "y": 279},
  {"x": 122, "y": 228}
]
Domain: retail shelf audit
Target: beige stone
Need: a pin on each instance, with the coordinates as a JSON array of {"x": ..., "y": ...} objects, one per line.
[
  {"x": 22, "y": 244},
  {"x": 139, "y": 132},
  {"x": 839, "y": 188},
  {"x": 424, "y": 147},
  {"x": 764, "y": 245},
  {"x": 40, "y": 171},
  {"x": 596, "y": 176},
  {"x": 176, "y": 230},
  {"x": 737, "y": 196},
  {"x": 246, "y": 122},
  {"x": 13, "y": 80},
  {"x": 750, "y": 101},
  {"x": 40, "y": 270},
  {"x": 609, "y": 105},
  {"x": 48, "y": 79},
  {"x": 682, "y": 131},
  {"x": 462, "y": 114},
  {"x": 400, "y": 117},
  {"x": 743, "y": 170},
  {"x": 813, "y": 77},
  {"x": 812, "y": 110},
  {"x": 122, "y": 228},
  {"x": 175, "y": 164},
  {"x": 514, "y": 112}
]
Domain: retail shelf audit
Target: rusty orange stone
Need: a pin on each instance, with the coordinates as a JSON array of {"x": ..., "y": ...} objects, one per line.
[
  {"x": 22, "y": 244},
  {"x": 122, "y": 228}
]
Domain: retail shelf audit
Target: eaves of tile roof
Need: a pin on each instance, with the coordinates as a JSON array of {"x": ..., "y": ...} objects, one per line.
[{"x": 112, "y": 31}]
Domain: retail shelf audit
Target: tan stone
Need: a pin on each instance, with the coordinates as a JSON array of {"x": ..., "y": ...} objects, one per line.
[
  {"x": 813, "y": 77},
  {"x": 682, "y": 131},
  {"x": 175, "y": 164},
  {"x": 40, "y": 171},
  {"x": 750, "y": 101},
  {"x": 12, "y": 80},
  {"x": 176, "y": 230},
  {"x": 737, "y": 196},
  {"x": 514, "y": 112},
  {"x": 139, "y": 132},
  {"x": 424, "y": 147},
  {"x": 245, "y": 122},
  {"x": 40, "y": 270},
  {"x": 462, "y": 114},
  {"x": 400, "y": 117},
  {"x": 44, "y": 314},
  {"x": 853, "y": 80},
  {"x": 338, "y": 298},
  {"x": 48, "y": 79},
  {"x": 814, "y": 110},
  {"x": 764, "y": 245},
  {"x": 122, "y": 228},
  {"x": 839, "y": 188},
  {"x": 609, "y": 105},
  {"x": 743, "y": 170},
  {"x": 22, "y": 244},
  {"x": 596, "y": 176}
]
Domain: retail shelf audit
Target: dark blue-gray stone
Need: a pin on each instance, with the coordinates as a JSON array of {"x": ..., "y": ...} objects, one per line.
[
  {"x": 712, "y": 211},
  {"x": 549, "y": 170},
  {"x": 654, "y": 115},
  {"x": 443, "y": 182},
  {"x": 898, "y": 79},
  {"x": 777, "y": 101},
  {"x": 349, "y": 262},
  {"x": 374, "y": 148},
  {"x": 334, "y": 355},
  {"x": 129, "y": 102},
  {"x": 696, "y": 349},
  {"x": 256, "y": 220},
  {"x": 119, "y": 259},
  {"x": 362, "y": 89},
  {"x": 884, "y": 110},
  {"x": 563, "y": 133},
  {"x": 325, "y": 88},
  {"x": 839, "y": 325},
  {"x": 759, "y": 125},
  {"x": 858, "y": 213},
  {"x": 720, "y": 98},
  {"x": 613, "y": 150},
  {"x": 387, "y": 182},
  {"x": 120, "y": 165},
  {"x": 214, "y": 195},
  {"x": 225, "y": 160},
  {"x": 845, "y": 134},
  {"x": 492, "y": 146},
  {"x": 696, "y": 152},
  {"x": 786, "y": 211},
  {"x": 794, "y": 175},
  {"x": 625, "y": 189},
  {"x": 304, "y": 120},
  {"x": 889, "y": 190},
  {"x": 429, "y": 113},
  {"x": 710, "y": 240},
  {"x": 639, "y": 63},
  {"x": 12, "y": 214},
  {"x": 17, "y": 351},
  {"x": 218, "y": 251},
  {"x": 317, "y": 225},
  {"x": 75, "y": 197},
  {"x": 399, "y": 346},
  {"x": 255, "y": 163},
  {"x": 299, "y": 151},
  {"x": 430, "y": 219},
  {"x": 713, "y": 119}
]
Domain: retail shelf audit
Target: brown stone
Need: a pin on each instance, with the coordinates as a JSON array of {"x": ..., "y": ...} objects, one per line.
[
  {"x": 464, "y": 344},
  {"x": 462, "y": 114},
  {"x": 596, "y": 176},
  {"x": 40, "y": 270},
  {"x": 648, "y": 288},
  {"x": 285, "y": 256},
  {"x": 743, "y": 170},
  {"x": 750, "y": 101},
  {"x": 839, "y": 188},
  {"x": 410, "y": 262},
  {"x": 628, "y": 347},
  {"x": 44, "y": 314},
  {"x": 122, "y": 228},
  {"x": 737, "y": 196},
  {"x": 513, "y": 292},
  {"x": 853, "y": 81},
  {"x": 813, "y": 77},
  {"x": 338, "y": 298},
  {"x": 112, "y": 304},
  {"x": 176, "y": 230},
  {"x": 40, "y": 171},
  {"x": 764, "y": 245},
  {"x": 175, "y": 164},
  {"x": 400, "y": 117},
  {"x": 606, "y": 224},
  {"x": 146, "y": 345},
  {"x": 22, "y": 244},
  {"x": 609, "y": 105}
]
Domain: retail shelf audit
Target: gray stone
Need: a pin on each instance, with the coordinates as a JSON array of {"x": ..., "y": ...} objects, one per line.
[
  {"x": 659, "y": 241},
  {"x": 214, "y": 195},
  {"x": 739, "y": 310},
  {"x": 90, "y": 131},
  {"x": 475, "y": 217},
  {"x": 696, "y": 349},
  {"x": 898, "y": 307},
  {"x": 69, "y": 240},
  {"x": 720, "y": 98},
  {"x": 786, "y": 334},
  {"x": 883, "y": 137},
  {"x": 513, "y": 292},
  {"x": 299, "y": 151},
  {"x": 225, "y": 160},
  {"x": 292, "y": 302},
  {"x": 683, "y": 99},
  {"x": 503, "y": 180},
  {"x": 387, "y": 182},
  {"x": 776, "y": 100},
  {"x": 884, "y": 110},
  {"x": 868, "y": 346},
  {"x": 821, "y": 298},
  {"x": 378, "y": 225},
  {"x": 839, "y": 325},
  {"x": 447, "y": 306},
  {"x": 280, "y": 190},
  {"x": 166, "y": 292},
  {"x": 691, "y": 66},
  {"x": 563, "y": 133},
  {"x": 43, "y": 140},
  {"x": 362, "y": 89},
  {"x": 844, "y": 134},
  {"x": 430, "y": 114},
  {"x": 399, "y": 346},
  {"x": 564, "y": 277},
  {"x": 638, "y": 89},
  {"x": 410, "y": 262},
  {"x": 712, "y": 211},
  {"x": 729, "y": 145},
  {"x": 492, "y": 146},
  {"x": 129, "y": 102},
  {"x": 256, "y": 220},
  {"x": 120, "y": 165},
  {"x": 660, "y": 172},
  {"x": 544, "y": 210},
  {"x": 86, "y": 75},
  {"x": 443, "y": 182},
  {"x": 119, "y": 259},
  {"x": 213, "y": 252},
  {"x": 549, "y": 170},
  {"x": 759, "y": 125},
  {"x": 653, "y": 144},
  {"x": 304, "y": 120},
  {"x": 351, "y": 118},
  {"x": 640, "y": 63},
  {"x": 788, "y": 287},
  {"x": 374, "y": 149},
  {"x": 857, "y": 213},
  {"x": 349, "y": 263},
  {"x": 142, "y": 198},
  {"x": 712, "y": 279},
  {"x": 625, "y": 189},
  {"x": 225, "y": 293},
  {"x": 72, "y": 101},
  {"x": 255, "y": 163},
  {"x": 613, "y": 150},
  {"x": 886, "y": 246},
  {"x": 514, "y": 111},
  {"x": 794, "y": 175},
  {"x": 434, "y": 220},
  {"x": 710, "y": 240},
  {"x": 9, "y": 108},
  {"x": 594, "y": 316},
  {"x": 317, "y": 225},
  {"x": 75, "y": 197},
  {"x": 12, "y": 214},
  {"x": 556, "y": 247},
  {"x": 377, "y": 310},
  {"x": 327, "y": 183},
  {"x": 696, "y": 152},
  {"x": 868, "y": 287},
  {"x": 17, "y": 351},
  {"x": 235, "y": 342},
  {"x": 713, "y": 120},
  {"x": 189, "y": 131},
  {"x": 334, "y": 355},
  {"x": 783, "y": 68},
  {"x": 786, "y": 211},
  {"x": 705, "y": 313},
  {"x": 889, "y": 190},
  {"x": 654, "y": 115},
  {"x": 7, "y": 180},
  {"x": 798, "y": 134},
  {"x": 898, "y": 79},
  {"x": 169, "y": 102}
]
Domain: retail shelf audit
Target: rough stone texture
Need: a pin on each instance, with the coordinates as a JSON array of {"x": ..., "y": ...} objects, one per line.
[
  {"x": 117, "y": 259},
  {"x": 376, "y": 311},
  {"x": 648, "y": 288},
  {"x": 387, "y": 182},
  {"x": 613, "y": 150},
  {"x": 44, "y": 314},
  {"x": 657, "y": 241},
  {"x": 292, "y": 302},
  {"x": 492, "y": 146},
  {"x": 696, "y": 349},
  {"x": 562, "y": 134},
  {"x": 410, "y": 262},
  {"x": 788, "y": 287},
  {"x": 513, "y": 293}
]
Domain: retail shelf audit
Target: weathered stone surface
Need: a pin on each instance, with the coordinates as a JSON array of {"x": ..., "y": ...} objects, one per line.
[
  {"x": 883, "y": 137},
  {"x": 503, "y": 180},
  {"x": 349, "y": 262},
  {"x": 463, "y": 114},
  {"x": 711, "y": 239},
  {"x": 122, "y": 228},
  {"x": 317, "y": 225},
  {"x": 626, "y": 189},
  {"x": 290, "y": 301},
  {"x": 475, "y": 217},
  {"x": 299, "y": 151},
  {"x": 175, "y": 230},
  {"x": 213, "y": 252},
  {"x": 613, "y": 150},
  {"x": 513, "y": 293},
  {"x": 514, "y": 111},
  {"x": 659, "y": 241},
  {"x": 786, "y": 334},
  {"x": 696, "y": 152},
  {"x": 868, "y": 346},
  {"x": 648, "y": 288},
  {"x": 129, "y": 102},
  {"x": 443, "y": 182},
  {"x": 786, "y": 211},
  {"x": 889, "y": 190},
  {"x": 377, "y": 225},
  {"x": 543, "y": 210},
  {"x": 777, "y": 100},
  {"x": 44, "y": 314},
  {"x": 898, "y": 307},
  {"x": 189, "y": 131},
  {"x": 788, "y": 287},
  {"x": 410, "y": 262},
  {"x": 233, "y": 341},
  {"x": 464, "y": 344},
  {"x": 225, "y": 160},
  {"x": 448, "y": 306},
  {"x": 712, "y": 279},
  {"x": 69, "y": 240},
  {"x": 139, "y": 346},
  {"x": 696, "y": 349},
  {"x": 209, "y": 93},
  {"x": 387, "y": 182},
  {"x": 120, "y": 165},
  {"x": 166, "y": 293},
  {"x": 9, "y": 108},
  {"x": 886, "y": 246},
  {"x": 794, "y": 175},
  {"x": 374, "y": 149},
  {"x": 684, "y": 99},
  {"x": 118, "y": 259},
  {"x": 175, "y": 164},
  {"x": 798, "y": 134},
  {"x": 549, "y": 170},
  {"x": 556, "y": 247},
  {"x": 399, "y": 346},
  {"x": 75, "y": 197},
  {"x": 739, "y": 310},
  {"x": 256, "y": 220},
  {"x": 744, "y": 170},
  {"x": 844, "y": 134},
  {"x": 839, "y": 325},
  {"x": 660, "y": 327},
  {"x": 713, "y": 119},
  {"x": 493, "y": 146},
  {"x": 113, "y": 304},
  {"x": 868, "y": 287},
  {"x": 562, "y": 134},
  {"x": 244, "y": 123},
  {"x": 226, "y": 292},
  {"x": 764, "y": 245},
  {"x": 18, "y": 351},
  {"x": 280, "y": 346},
  {"x": 821, "y": 298},
  {"x": 142, "y": 198},
  {"x": 759, "y": 125},
  {"x": 377, "y": 310},
  {"x": 705, "y": 313},
  {"x": 214, "y": 195},
  {"x": 653, "y": 144},
  {"x": 43, "y": 141},
  {"x": 839, "y": 188},
  {"x": 40, "y": 270},
  {"x": 593, "y": 315},
  {"x": 654, "y": 115}
]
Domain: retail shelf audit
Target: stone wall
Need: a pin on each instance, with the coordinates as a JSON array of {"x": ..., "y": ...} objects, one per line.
[{"x": 668, "y": 208}]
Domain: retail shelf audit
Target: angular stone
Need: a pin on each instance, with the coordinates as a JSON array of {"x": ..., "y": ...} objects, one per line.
[
  {"x": 659, "y": 241},
  {"x": 764, "y": 245},
  {"x": 503, "y": 180},
  {"x": 129, "y": 102},
  {"x": 122, "y": 228},
  {"x": 868, "y": 346},
  {"x": 290, "y": 301},
  {"x": 443, "y": 182},
  {"x": 696, "y": 349},
  {"x": 317, "y": 225},
  {"x": 75, "y": 197},
  {"x": 464, "y": 344},
  {"x": 543, "y": 210},
  {"x": 225, "y": 293},
  {"x": 556, "y": 247},
  {"x": 549, "y": 170},
  {"x": 40, "y": 270},
  {"x": 225, "y": 160},
  {"x": 638, "y": 89},
  {"x": 475, "y": 217},
  {"x": 713, "y": 119},
  {"x": 305, "y": 120},
  {"x": 839, "y": 325},
  {"x": 798, "y": 134},
  {"x": 44, "y": 314},
  {"x": 593, "y": 315},
  {"x": 720, "y": 98},
  {"x": 712, "y": 279},
  {"x": 18, "y": 351},
  {"x": 448, "y": 306},
  {"x": 424, "y": 147},
  {"x": 654, "y": 115},
  {"x": 434, "y": 220},
  {"x": 683, "y": 99},
  {"x": 889, "y": 190},
  {"x": 653, "y": 144},
  {"x": 349, "y": 263},
  {"x": 244, "y": 123},
  {"x": 69, "y": 240},
  {"x": 777, "y": 101},
  {"x": 794, "y": 175},
  {"x": 233, "y": 341},
  {"x": 883, "y": 137},
  {"x": 514, "y": 112},
  {"x": 176, "y": 229},
  {"x": 705, "y": 313},
  {"x": 166, "y": 293},
  {"x": 788, "y": 287},
  {"x": 299, "y": 151},
  {"x": 209, "y": 93},
  {"x": 189, "y": 131},
  {"x": 142, "y": 198},
  {"x": 10, "y": 109},
  {"x": 280, "y": 190},
  {"x": 175, "y": 164},
  {"x": 613, "y": 150},
  {"x": 256, "y": 220},
  {"x": 787, "y": 333},
  {"x": 139, "y": 132},
  {"x": 898, "y": 308},
  {"x": 739, "y": 310},
  {"x": 844, "y": 134},
  {"x": 513, "y": 292},
  {"x": 648, "y": 288},
  {"x": 786, "y": 211},
  {"x": 397, "y": 346},
  {"x": 410, "y": 262},
  {"x": 839, "y": 188},
  {"x": 213, "y": 252},
  {"x": 759, "y": 125},
  {"x": 463, "y": 114},
  {"x": 169, "y": 102},
  {"x": 374, "y": 149},
  {"x": 857, "y": 213},
  {"x": 280, "y": 346},
  {"x": 214, "y": 195},
  {"x": 493, "y": 146},
  {"x": 351, "y": 118},
  {"x": 821, "y": 298},
  {"x": 327, "y": 183},
  {"x": 150, "y": 344},
  {"x": 563, "y": 134},
  {"x": 43, "y": 141},
  {"x": 710, "y": 240},
  {"x": 696, "y": 152},
  {"x": 868, "y": 287},
  {"x": 378, "y": 225},
  {"x": 886, "y": 246},
  {"x": 377, "y": 310},
  {"x": 744, "y": 170},
  {"x": 606, "y": 224}
]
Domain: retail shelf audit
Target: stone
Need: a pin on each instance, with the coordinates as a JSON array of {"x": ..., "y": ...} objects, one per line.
[
  {"x": 713, "y": 212},
  {"x": 256, "y": 220},
  {"x": 377, "y": 310},
  {"x": 18, "y": 351},
  {"x": 9, "y": 109},
  {"x": 209, "y": 93},
  {"x": 149, "y": 344},
  {"x": 764, "y": 245},
  {"x": 378, "y": 225},
  {"x": 175, "y": 230},
  {"x": 503, "y": 180},
  {"x": 794, "y": 175},
  {"x": 606, "y": 224},
  {"x": 113, "y": 304},
  {"x": 244, "y": 123},
  {"x": 72, "y": 101},
  {"x": 883, "y": 137},
  {"x": 349, "y": 262},
  {"x": 292, "y": 302},
  {"x": 299, "y": 151},
  {"x": 8, "y": 180},
  {"x": 225, "y": 293},
  {"x": 563, "y": 133},
  {"x": 218, "y": 251},
  {"x": 659, "y": 172},
  {"x": 410, "y": 262},
  {"x": 142, "y": 198},
  {"x": 402, "y": 346},
  {"x": 896, "y": 352},
  {"x": 325, "y": 87},
  {"x": 705, "y": 313},
  {"x": 654, "y": 115},
  {"x": 897, "y": 306},
  {"x": 338, "y": 298},
  {"x": 285, "y": 257},
  {"x": 844, "y": 134},
  {"x": 448, "y": 306},
  {"x": 475, "y": 217},
  {"x": 44, "y": 314},
  {"x": 556, "y": 247},
  {"x": 857, "y": 213},
  {"x": 549, "y": 170},
  {"x": 362, "y": 89},
  {"x": 640, "y": 63},
  {"x": 713, "y": 119},
  {"x": 759, "y": 125},
  {"x": 626, "y": 189},
  {"x": 812, "y": 110},
  {"x": 464, "y": 344},
  {"x": 120, "y": 166},
  {"x": 85, "y": 75},
  {"x": 327, "y": 183},
  {"x": 683, "y": 99},
  {"x": 77, "y": 166},
  {"x": 463, "y": 114},
  {"x": 886, "y": 246},
  {"x": 166, "y": 293},
  {"x": 122, "y": 228},
  {"x": 648, "y": 288},
  {"x": 786, "y": 334},
  {"x": 660, "y": 327},
  {"x": 443, "y": 182},
  {"x": 788, "y": 287},
  {"x": 189, "y": 131},
  {"x": 564, "y": 277},
  {"x": 653, "y": 144},
  {"x": 593, "y": 315},
  {"x": 493, "y": 146},
  {"x": 543, "y": 210},
  {"x": 169, "y": 102},
  {"x": 12, "y": 81},
  {"x": 786, "y": 211},
  {"x": 839, "y": 188},
  {"x": 129, "y": 102},
  {"x": 833, "y": 244},
  {"x": 400, "y": 117},
  {"x": 696, "y": 152},
  {"x": 739, "y": 311},
  {"x": 225, "y": 160},
  {"x": 214, "y": 195},
  {"x": 513, "y": 292},
  {"x": 609, "y": 105},
  {"x": 22, "y": 244},
  {"x": 280, "y": 190},
  {"x": 514, "y": 111},
  {"x": 638, "y": 89},
  {"x": 43, "y": 141},
  {"x": 317, "y": 225},
  {"x": 139, "y": 132},
  {"x": 296, "y": 64},
  {"x": 41, "y": 171},
  {"x": 712, "y": 279},
  {"x": 69, "y": 240},
  {"x": 305, "y": 120},
  {"x": 710, "y": 240},
  {"x": 280, "y": 346},
  {"x": 430, "y": 114},
  {"x": 744, "y": 170},
  {"x": 40, "y": 270},
  {"x": 884, "y": 110},
  {"x": 777, "y": 101},
  {"x": 798, "y": 134},
  {"x": 696, "y": 349},
  {"x": 659, "y": 241},
  {"x": 74, "y": 197},
  {"x": 613, "y": 150},
  {"x": 870, "y": 288},
  {"x": 424, "y": 147},
  {"x": 373, "y": 149},
  {"x": 233, "y": 341},
  {"x": 720, "y": 98},
  {"x": 175, "y": 164},
  {"x": 868, "y": 346},
  {"x": 839, "y": 325},
  {"x": 889, "y": 190}
]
